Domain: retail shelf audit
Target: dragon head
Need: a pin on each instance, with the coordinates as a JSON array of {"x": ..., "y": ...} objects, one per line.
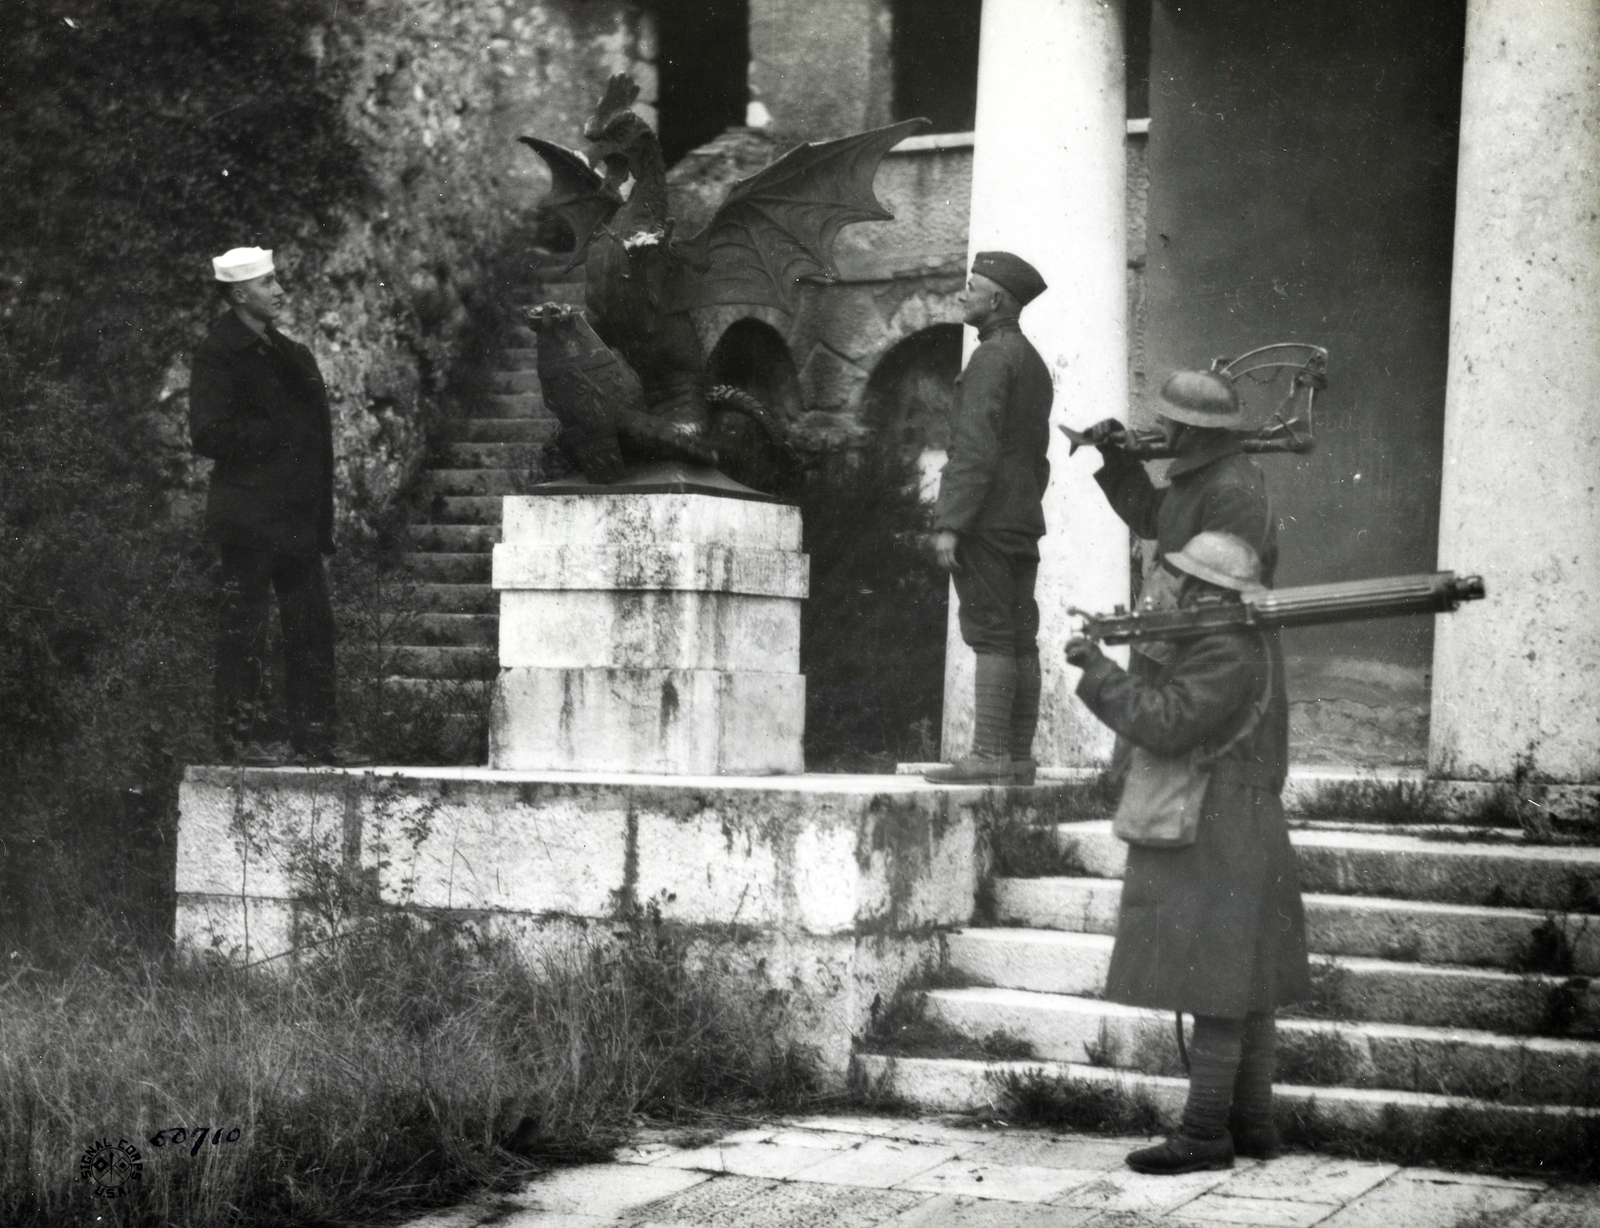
[{"x": 627, "y": 147}]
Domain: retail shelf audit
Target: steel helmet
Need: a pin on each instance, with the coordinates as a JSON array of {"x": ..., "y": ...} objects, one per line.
[
  {"x": 1221, "y": 559},
  {"x": 1201, "y": 398}
]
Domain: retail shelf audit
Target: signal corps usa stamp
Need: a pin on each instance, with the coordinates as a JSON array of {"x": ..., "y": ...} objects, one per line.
[{"x": 111, "y": 1169}]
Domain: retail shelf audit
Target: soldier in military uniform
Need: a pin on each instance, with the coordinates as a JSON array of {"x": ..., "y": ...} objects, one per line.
[
  {"x": 990, "y": 516},
  {"x": 1212, "y": 487},
  {"x": 259, "y": 409},
  {"x": 1215, "y": 928}
]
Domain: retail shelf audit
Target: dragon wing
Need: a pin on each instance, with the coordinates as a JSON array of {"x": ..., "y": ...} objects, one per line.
[
  {"x": 778, "y": 226},
  {"x": 579, "y": 195}
]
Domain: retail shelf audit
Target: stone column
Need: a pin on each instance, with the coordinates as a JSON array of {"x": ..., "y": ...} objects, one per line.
[
  {"x": 1048, "y": 184},
  {"x": 1516, "y": 679}
]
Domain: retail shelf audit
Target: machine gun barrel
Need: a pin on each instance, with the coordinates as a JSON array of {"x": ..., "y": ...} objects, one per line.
[{"x": 1438, "y": 592}]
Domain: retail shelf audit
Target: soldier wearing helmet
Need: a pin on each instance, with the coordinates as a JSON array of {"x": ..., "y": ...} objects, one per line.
[
  {"x": 1212, "y": 486},
  {"x": 1214, "y": 928}
]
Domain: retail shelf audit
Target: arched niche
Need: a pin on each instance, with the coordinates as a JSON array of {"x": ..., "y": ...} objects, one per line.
[
  {"x": 909, "y": 396},
  {"x": 753, "y": 356}
]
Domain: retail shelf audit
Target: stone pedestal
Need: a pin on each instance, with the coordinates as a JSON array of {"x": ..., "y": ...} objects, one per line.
[
  {"x": 1048, "y": 184},
  {"x": 1515, "y": 676},
  {"x": 649, "y": 632}
]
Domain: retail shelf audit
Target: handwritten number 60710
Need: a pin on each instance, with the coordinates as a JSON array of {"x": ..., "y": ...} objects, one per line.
[{"x": 176, "y": 1135}]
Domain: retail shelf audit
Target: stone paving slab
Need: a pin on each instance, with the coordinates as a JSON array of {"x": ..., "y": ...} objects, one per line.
[{"x": 866, "y": 1171}]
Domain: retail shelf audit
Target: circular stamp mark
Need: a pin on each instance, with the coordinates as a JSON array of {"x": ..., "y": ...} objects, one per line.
[{"x": 111, "y": 1169}]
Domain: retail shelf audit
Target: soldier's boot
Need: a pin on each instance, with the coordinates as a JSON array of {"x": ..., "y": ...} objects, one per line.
[
  {"x": 994, "y": 690},
  {"x": 1025, "y": 719},
  {"x": 1202, "y": 1140},
  {"x": 1250, "y": 1120}
]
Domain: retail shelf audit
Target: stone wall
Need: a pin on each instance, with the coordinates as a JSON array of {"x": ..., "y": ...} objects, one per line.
[{"x": 434, "y": 96}]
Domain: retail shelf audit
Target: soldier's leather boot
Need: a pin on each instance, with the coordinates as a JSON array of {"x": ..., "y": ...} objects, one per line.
[
  {"x": 1182, "y": 1154},
  {"x": 1256, "y": 1142},
  {"x": 256, "y": 753},
  {"x": 994, "y": 687}
]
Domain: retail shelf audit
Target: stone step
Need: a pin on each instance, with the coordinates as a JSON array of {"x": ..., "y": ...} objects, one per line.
[
  {"x": 472, "y": 664},
  {"x": 453, "y": 538},
  {"x": 472, "y": 482},
  {"x": 518, "y": 457},
  {"x": 439, "y": 568},
  {"x": 454, "y": 599},
  {"x": 498, "y": 430},
  {"x": 1452, "y": 1061},
  {"x": 1450, "y": 868},
  {"x": 514, "y": 380},
  {"x": 1352, "y": 988},
  {"x": 1558, "y": 1135},
  {"x": 1408, "y": 930},
  {"x": 515, "y": 405},
  {"x": 452, "y": 630},
  {"x": 517, "y": 358},
  {"x": 466, "y": 509},
  {"x": 463, "y": 698}
]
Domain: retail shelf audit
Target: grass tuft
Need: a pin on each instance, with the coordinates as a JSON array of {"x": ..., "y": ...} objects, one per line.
[
  {"x": 412, "y": 1063},
  {"x": 1060, "y": 1102}
]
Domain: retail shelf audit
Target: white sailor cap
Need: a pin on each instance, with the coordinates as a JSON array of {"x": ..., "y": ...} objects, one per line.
[{"x": 242, "y": 264}]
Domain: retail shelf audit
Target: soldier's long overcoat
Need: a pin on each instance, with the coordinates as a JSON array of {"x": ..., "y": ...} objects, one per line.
[{"x": 1215, "y": 928}]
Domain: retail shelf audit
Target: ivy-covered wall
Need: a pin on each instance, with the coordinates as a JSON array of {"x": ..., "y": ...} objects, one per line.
[{"x": 369, "y": 143}]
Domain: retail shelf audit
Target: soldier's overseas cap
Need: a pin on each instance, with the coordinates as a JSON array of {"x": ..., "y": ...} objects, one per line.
[
  {"x": 242, "y": 264},
  {"x": 1012, "y": 272}
]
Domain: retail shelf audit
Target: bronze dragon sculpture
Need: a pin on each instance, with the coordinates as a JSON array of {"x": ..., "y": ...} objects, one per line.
[{"x": 627, "y": 378}]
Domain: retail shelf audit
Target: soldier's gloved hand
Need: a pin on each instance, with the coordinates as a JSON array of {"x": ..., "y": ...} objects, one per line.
[
  {"x": 1105, "y": 433},
  {"x": 1082, "y": 653},
  {"x": 944, "y": 549}
]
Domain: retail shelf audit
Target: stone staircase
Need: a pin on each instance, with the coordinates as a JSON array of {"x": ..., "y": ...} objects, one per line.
[
  {"x": 1453, "y": 999},
  {"x": 451, "y": 632}
]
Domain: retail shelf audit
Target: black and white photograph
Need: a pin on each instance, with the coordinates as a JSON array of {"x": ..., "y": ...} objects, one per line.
[{"x": 799, "y": 613}]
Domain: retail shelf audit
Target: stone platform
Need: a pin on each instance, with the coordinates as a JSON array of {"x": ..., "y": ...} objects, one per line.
[{"x": 816, "y": 895}]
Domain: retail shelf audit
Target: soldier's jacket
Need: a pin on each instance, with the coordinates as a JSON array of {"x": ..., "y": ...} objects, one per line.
[
  {"x": 993, "y": 482},
  {"x": 260, "y": 410},
  {"x": 1219, "y": 490},
  {"x": 1216, "y": 928}
]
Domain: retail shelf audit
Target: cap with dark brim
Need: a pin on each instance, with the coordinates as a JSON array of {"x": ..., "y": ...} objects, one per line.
[
  {"x": 1201, "y": 398},
  {"x": 1013, "y": 273}
]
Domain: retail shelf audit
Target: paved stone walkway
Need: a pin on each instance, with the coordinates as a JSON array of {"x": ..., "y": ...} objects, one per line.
[{"x": 878, "y": 1172}]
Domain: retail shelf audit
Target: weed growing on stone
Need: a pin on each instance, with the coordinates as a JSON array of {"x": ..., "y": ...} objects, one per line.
[
  {"x": 1400, "y": 802},
  {"x": 1035, "y": 1098},
  {"x": 902, "y": 1026},
  {"x": 1451, "y": 1138},
  {"x": 1320, "y": 1058}
]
